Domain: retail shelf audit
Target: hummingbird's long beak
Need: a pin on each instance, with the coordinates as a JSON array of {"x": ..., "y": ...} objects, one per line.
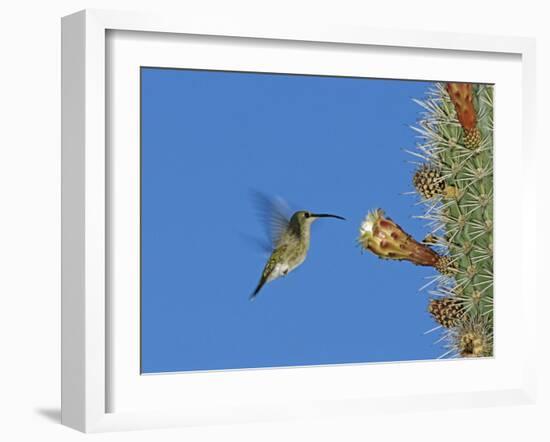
[{"x": 326, "y": 215}]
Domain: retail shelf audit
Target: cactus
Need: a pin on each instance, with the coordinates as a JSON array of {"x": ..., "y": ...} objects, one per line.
[
  {"x": 456, "y": 133},
  {"x": 455, "y": 185}
]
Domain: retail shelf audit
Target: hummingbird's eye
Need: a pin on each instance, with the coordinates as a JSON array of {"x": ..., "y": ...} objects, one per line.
[{"x": 307, "y": 214}]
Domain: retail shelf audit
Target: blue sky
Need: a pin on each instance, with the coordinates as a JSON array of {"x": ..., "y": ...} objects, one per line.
[{"x": 325, "y": 144}]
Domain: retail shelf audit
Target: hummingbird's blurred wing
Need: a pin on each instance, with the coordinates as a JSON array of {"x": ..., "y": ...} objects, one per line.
[{"x": 274, "y": 213}]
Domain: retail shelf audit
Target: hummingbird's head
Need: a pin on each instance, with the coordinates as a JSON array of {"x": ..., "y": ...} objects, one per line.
[{"x": 306, "y": 217}]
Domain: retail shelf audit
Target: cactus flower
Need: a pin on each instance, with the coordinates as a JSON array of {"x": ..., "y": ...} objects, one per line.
[{"x": 387, "y": 240}]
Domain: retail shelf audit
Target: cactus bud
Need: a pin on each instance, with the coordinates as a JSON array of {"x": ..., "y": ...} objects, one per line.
[
  {"x": 429, "y": 183},
  {"x": 461, "y": 96},
  {"x": 446, "y": 311}
]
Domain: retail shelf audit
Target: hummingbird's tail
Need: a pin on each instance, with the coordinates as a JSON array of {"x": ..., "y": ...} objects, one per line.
[{"x": 263, "y": 280}]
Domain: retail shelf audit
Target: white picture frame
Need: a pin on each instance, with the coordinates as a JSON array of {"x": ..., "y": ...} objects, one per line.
[{"x": 87, "y": 356}]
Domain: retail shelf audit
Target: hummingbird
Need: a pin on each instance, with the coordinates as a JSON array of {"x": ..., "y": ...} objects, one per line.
[{"x": 290, "y": 239}]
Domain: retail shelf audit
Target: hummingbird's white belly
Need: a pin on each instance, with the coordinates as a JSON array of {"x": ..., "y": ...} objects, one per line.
[
  {"x": 279, "y": 270},
  {"x": 282, "y": 269}
]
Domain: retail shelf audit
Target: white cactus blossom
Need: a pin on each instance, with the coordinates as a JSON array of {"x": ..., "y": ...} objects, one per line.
[{"x": 366, "y": 228}]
